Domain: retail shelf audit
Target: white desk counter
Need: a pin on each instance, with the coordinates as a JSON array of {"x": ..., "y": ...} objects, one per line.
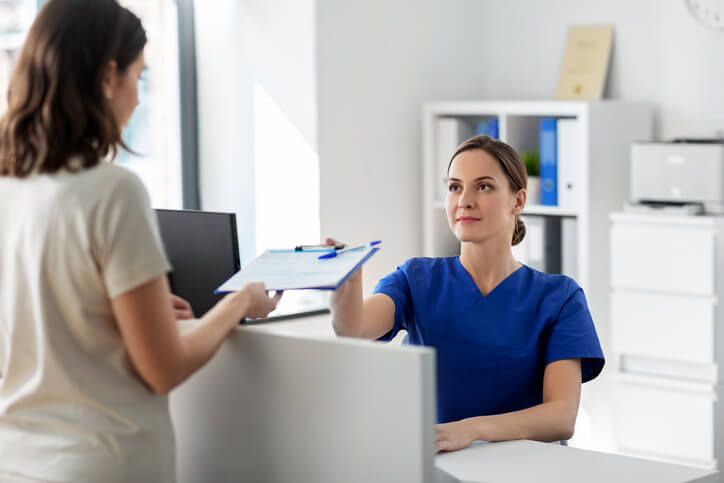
[{"x": 530, "y": 461}]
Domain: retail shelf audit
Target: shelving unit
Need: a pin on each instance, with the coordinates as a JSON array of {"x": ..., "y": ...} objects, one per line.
[{"x": 606, "y": 130}]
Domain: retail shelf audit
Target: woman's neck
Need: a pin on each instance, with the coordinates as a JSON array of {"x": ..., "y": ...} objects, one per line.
[{"x": 488, "y": 263}]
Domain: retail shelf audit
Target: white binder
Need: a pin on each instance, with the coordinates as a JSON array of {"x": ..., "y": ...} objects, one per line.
[{"x": 568, "y": 159}]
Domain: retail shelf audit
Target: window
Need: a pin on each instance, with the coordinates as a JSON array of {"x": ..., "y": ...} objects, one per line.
[
  {"x": 15, "y": 19},
  {"x": 153, "y": 132}
]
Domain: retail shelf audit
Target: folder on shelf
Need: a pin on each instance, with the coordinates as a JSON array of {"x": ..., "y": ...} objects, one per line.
[
  {"x": 494, "y": 128},
  {"x": 299, "y": 270},
  {"x": 567, "y": 147},
  {"x": 489, "y": 128},
  {"x": 569, "y": 247},
  {"x": 548, "y": 162},
  {"x": 541, "y": 247}
]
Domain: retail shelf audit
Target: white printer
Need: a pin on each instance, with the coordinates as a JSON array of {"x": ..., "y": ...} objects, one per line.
[{"x": 680, "y": 172}]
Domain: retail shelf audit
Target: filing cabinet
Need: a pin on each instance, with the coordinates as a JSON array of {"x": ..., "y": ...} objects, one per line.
[{"x": 667, "y": 284}]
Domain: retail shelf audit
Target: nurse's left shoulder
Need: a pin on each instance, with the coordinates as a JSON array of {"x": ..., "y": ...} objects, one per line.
[{"x": 553, "y": 285}]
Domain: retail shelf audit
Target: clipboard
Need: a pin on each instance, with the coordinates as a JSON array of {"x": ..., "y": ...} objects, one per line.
[{"x": 299, "y": 270}]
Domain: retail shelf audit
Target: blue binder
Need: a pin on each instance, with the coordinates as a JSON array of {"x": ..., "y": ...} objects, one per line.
[
  {"x": 493, "y": 128},
  {"x": 548, "y": 162},
  {"x": 489, "y": 128}
]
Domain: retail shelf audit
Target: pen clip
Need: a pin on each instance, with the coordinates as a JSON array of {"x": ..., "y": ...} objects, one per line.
[
  {"x": 303, "y": 248},
  {"x": 337, "y": 251}
]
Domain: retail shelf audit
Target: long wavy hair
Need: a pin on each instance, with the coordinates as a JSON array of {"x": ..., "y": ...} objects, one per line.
[
  {"x": 56, "y": 108},
  {"x": 512, "y": 165}
]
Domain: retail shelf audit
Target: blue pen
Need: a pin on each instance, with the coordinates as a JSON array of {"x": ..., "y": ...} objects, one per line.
[{"x": 334, "y": 253}]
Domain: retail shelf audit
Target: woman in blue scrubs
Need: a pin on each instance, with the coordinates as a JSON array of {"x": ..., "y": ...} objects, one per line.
[{"x": 513, "y": 344}]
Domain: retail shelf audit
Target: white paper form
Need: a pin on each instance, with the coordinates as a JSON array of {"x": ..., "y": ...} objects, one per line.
[{"x": 295, "y": 270}]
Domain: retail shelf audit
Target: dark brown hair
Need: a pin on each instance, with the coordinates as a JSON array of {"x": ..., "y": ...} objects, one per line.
[
  {"x": 511, "y": 164},
  {"x": 56, "y": 109}
]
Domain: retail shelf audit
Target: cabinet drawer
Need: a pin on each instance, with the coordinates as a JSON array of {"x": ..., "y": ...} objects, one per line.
[
  {"x": 665, "y": 420},
  {"x": 661, "y": 326},
  {"x": 663, "y": 257}
]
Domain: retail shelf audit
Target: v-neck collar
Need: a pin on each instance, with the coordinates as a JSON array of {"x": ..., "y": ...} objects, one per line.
[{"x": 474, "y": 287}]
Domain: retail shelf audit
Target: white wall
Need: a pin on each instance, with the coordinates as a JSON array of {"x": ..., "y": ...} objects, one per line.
[
  {"x": 241, "y": 44},
  {"x": 661, "y": 54},
  {"x": 377, "y": 62}
]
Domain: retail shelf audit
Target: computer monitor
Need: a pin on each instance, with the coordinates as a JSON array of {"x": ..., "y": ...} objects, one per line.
[{"x": 203, "y": 250}]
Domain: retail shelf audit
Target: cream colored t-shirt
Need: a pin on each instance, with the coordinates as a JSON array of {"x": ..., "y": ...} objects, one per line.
[{"x": 72, "y": 408}]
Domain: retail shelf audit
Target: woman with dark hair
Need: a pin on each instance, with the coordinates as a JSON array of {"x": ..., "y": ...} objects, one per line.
[
  {"x": 88, "y": 339},
  {"x": 513, "y": 344}
]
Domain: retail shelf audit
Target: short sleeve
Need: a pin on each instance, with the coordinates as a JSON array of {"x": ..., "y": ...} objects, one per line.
[
  {"x": 127, "y": 239},
  {"x": 397, "y": 287},
  {"x": 573, "y": 336}
]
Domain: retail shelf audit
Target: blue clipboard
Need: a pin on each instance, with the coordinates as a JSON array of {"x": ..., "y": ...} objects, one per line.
[{"x": 299, "y": 270}]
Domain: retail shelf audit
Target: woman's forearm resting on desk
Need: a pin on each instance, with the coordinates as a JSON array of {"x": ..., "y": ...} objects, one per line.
[
  {"x": 147, "y": 324},
  {"x": 552, "y": 420}
]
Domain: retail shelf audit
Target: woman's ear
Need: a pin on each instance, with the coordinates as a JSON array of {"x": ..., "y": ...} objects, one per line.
[
  {"x": 109, "y": 80},
  {"x": 520, "y": 198}
]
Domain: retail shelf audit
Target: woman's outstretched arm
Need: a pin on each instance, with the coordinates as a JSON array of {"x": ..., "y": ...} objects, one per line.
[{"x": 162, "y": 356}]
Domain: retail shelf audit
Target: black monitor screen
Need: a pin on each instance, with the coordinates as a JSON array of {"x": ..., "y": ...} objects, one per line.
[{"x": 202, "y": 248}]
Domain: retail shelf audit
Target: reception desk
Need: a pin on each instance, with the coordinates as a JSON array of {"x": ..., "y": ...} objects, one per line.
[
  {"x": 281, "y": 404},
  {"x": 531, "y": 461}
]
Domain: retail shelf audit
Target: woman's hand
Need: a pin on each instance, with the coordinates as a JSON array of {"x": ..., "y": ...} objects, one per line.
[
  {"x": 181, "y": 308},
  {"x": 351, "y": 283},
  {"x": 349, "y": 291},
  {"x": 453, "y": 436},
  {"x": 259, "y": 303},
  {"x": 251, "y": 301},
  {"x": 345, "y": 303}
]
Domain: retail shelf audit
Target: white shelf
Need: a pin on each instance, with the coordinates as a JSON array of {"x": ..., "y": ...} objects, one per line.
[
  {"x": 548, "y": 211},
  {"x": 550, "y": 108},
  {"x": 529, "y": 210}
]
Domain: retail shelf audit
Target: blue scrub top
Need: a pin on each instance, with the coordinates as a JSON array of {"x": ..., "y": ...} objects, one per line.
[{"x": 491, "y": 350}]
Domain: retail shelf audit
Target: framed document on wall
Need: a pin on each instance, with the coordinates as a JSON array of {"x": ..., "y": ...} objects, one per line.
[{"x": 585, "y": 62}]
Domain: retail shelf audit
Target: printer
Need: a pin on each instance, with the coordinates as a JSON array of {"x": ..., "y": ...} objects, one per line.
[{"x": 683, "y": 172}]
